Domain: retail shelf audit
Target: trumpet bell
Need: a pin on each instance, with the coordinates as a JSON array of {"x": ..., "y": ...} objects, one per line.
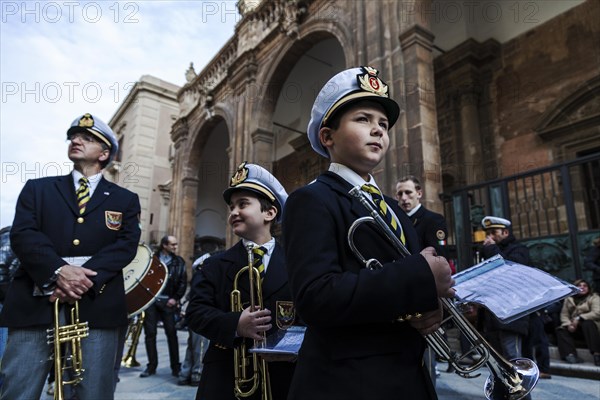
[
  {"x": 509, "y": 380},
  {"x": 525, "y": 369}
]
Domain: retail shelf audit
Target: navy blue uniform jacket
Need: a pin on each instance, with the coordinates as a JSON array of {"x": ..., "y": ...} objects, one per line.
[
  {"x": 46, "y": 227},
  {"x": 427, "y": 224},
  {"x": 209, "y": 314},
  {"x": 354, "y": 347}
]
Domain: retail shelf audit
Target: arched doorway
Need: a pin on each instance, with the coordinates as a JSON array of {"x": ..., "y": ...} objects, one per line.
[{"x": 294, "y": 162}]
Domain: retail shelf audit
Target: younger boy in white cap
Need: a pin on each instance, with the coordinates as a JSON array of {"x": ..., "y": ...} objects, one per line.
[
  {"x": 364, "y": 336},
  {"x": 256, "y": 200}
]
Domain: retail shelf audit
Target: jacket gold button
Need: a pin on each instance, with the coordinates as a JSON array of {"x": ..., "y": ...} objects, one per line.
[
  {"x": 76, "y": 242},
  {"x": 80, "y": 220}
]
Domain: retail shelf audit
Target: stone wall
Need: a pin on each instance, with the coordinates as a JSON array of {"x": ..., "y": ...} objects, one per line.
[{"x": 494, "y": 98}]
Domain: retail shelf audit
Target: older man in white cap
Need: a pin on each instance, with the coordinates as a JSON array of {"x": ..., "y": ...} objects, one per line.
[
  {"x": 500, "y": 240},
  {"x": 511, "y": 339},
  {"x": 73, "y": 234}
]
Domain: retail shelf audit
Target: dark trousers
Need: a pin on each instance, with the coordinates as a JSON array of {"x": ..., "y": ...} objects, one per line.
[
  {"x": 154, "y": 313},
  {"x": 535, "y": 345},
  {"x": 586, "y": 330}
]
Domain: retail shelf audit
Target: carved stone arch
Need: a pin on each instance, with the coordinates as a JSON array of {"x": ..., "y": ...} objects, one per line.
[
  {"x": 572, "y": 126},
  {"x": 199, "y": 178},
  {"x": 201, "y": 132},
  {"x": 311, "y": 33},
  {"x": 279, "y": 131}
]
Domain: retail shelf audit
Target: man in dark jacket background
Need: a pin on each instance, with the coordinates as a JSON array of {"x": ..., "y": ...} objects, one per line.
[
  {"x": 430, "y": 226},
  {"x": 165, "y": 307},
  {"x": 515, "y": 339},
  {"x": 431, "y": 230}
]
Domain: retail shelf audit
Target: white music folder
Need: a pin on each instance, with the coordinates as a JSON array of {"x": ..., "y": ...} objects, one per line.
[
  {"x": 283, "y": 342},
  {"x": 508, "y": 289}
]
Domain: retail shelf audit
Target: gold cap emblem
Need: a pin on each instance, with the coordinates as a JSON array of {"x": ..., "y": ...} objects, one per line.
[
  {"x": 370, "y": 82},
  {"x": 240, "y": 175},
  {"x": 87, "y": 121}
]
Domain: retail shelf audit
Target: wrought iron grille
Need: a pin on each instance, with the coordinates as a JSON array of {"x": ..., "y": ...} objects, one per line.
[{"x": 554, "y": 210}]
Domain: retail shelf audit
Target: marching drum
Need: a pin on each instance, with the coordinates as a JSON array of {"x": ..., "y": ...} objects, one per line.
[{"x": 145, "y": 278}]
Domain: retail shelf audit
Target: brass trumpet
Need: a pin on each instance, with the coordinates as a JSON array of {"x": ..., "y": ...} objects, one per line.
[
  {"x": 72, "y": 334},
  {"x": 508, "y": 380},
  {"x": 134, "y": 330},
  {"x": 251, "y": 371}
]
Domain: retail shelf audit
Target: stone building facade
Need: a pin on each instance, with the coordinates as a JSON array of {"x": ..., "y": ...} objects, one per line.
[
  {"x": 487, "y": 89},
  {"x": 142, "y": 124}
]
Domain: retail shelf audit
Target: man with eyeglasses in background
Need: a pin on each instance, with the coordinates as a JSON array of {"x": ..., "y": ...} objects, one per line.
[{"x": 165, "y": 308}]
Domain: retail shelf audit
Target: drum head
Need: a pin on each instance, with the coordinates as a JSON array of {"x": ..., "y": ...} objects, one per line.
[
  {"x": 137, "y": 268},
  {"x": 147, "y": 288}
]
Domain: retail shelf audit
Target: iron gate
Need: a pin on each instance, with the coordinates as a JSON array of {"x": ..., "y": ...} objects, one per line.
[{"x": 555, "y": 212}]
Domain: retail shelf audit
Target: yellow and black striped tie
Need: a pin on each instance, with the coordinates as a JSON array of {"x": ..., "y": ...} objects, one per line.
[
  {"x": 383, "y": 210},
  {"x": 83, "y": 194},
  {"x": 259, "y": 253}
]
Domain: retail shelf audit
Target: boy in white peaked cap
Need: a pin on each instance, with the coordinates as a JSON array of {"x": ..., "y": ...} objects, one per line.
[
  {"x": 364, "y": 337},
  {"x": 256, "y": 200}
]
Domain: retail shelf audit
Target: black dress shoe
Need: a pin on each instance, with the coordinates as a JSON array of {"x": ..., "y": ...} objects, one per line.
[
  {"x": 175, "y": 372},
  {"x": 194, "y": 382},
  {"x": 183, "y": 381},
  {"x": 147, "y": 373}
]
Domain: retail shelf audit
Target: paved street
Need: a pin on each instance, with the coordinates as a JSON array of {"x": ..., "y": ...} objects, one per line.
[
  {"x": 453, "y": 387},
  {"x": 449, "y": 386}
]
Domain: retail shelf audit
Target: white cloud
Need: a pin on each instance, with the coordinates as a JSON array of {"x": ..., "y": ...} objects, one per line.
[{"x": 61, "y": 59}]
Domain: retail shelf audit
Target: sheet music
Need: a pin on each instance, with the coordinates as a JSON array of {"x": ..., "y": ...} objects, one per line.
[
  {"x": 510, "y": 290},
  {"x": 283, "y": 342}
]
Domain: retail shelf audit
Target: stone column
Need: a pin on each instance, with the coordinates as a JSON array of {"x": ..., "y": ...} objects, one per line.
[
  {"x": 421, "y": 115},
  {"x": 181, "y": 217},
  {"x": 242, "y": 80},
  {"x": 262, "y": 143},
  {"x": 186, "y": 229}
]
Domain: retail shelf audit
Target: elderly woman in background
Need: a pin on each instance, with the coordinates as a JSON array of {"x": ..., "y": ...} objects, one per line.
[{"x": 580, "y": 318}]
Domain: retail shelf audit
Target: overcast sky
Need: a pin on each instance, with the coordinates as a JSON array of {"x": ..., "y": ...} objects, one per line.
[{"x": 59, "y": 60}]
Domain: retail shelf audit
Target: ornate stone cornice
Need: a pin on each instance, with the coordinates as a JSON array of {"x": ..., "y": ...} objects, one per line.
[
  {"x": 214, "y": 74},
  {"x": 247, "y": 6},
  {"x": 417, "y": 35},
  {"x": 262, "y": 135},
  {"x": 165, "y": 190},
  {"x": 269, "y": 18},
  {"x": 470, "y": 54},
  {"x": 180, "y": 131},
  {"x": 243, "y": 71}
]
